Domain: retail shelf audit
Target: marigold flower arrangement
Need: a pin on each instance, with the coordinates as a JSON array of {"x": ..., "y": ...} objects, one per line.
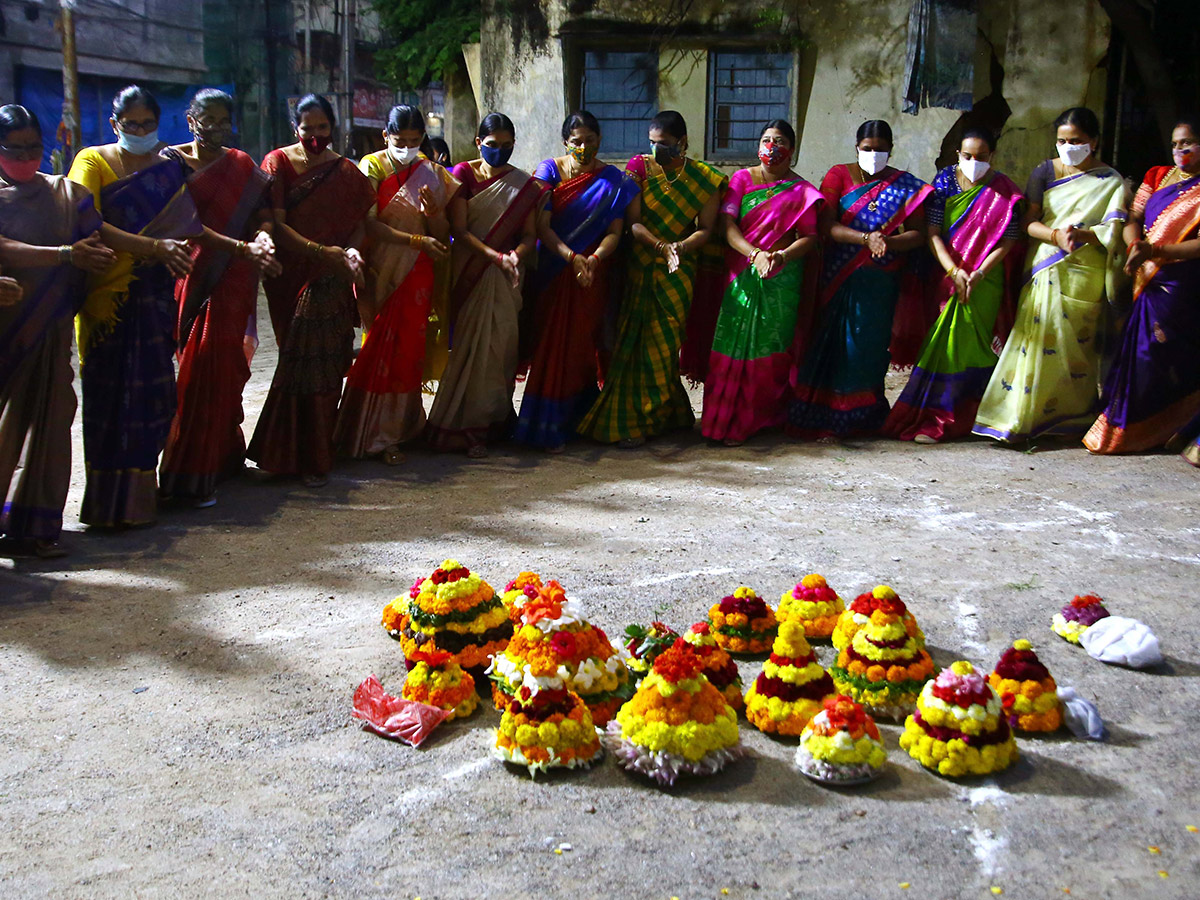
[
  {"x": 677, "y": 723},
  {"x": 546, "y": 727},
  {"x": 791, "y": 687},
  {"x": 719, "y": 667},
  {"x": 743, "y": 623},
  {"x": 1027, "y": 690},
  {"x": 644, "y": 643},
  {"x": 439, "y": 681},
  {"x": 885, "y": 666},
  {"x": 518, "y": 592},
  {"x": 556, "y": 642},
  {"x": 453, "y": 610},
  {"x": 814, "y": 604},
  {"x": 959, "y": 727},
  {"x": 841, "y": 743},
  {"x": 1078, "y": 616},
  {"x": 859, "y": 614}
]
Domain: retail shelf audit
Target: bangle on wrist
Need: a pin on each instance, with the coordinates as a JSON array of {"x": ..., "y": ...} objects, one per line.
[
  {"x": 1054, "y": 237},
  {"x": 64, "y": 253},
  {"x": 154, "y": 247},
  {"x": 571, "y": 258},
  {"x": 416, "y": 240}
]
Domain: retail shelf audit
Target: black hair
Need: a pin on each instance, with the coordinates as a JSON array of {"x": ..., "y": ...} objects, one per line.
[
  {"x": 670, "y": 122},
  {"x": 1189, "y": 119},
  {"x": 209, "y": 97},
  {"x": 979, "y": 133},
  {"x": 780, "y": 125},
  {"x": 873, "y": 128},
  {"x": 314, "y": 101},
  {"x": 134, "y": 95},
  {"x": 1082, "y": 118},
  {"x": 494, "y": 122},
  {"x": 14, "y": 117},
  {"x": 581, "y": 118},
  {"x": 405, "y": 118},
  {"x": 438, "y": 147}
]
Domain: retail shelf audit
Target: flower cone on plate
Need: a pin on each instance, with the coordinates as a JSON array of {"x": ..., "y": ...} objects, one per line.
[
  {"x": 886, "y": 665},
  {"x": 518, "y": 592},
  {"x": 1078, "y": 616},
  {"x": 453, "y": 610},
  {"x": 959, "y": 727},
  {"x": 547, "y": 726},
  {"x": 1027, "y": 690},
  {"x": 859, "y": 614},
  {"x": 719, "y": 667},
  {"x": 556, "y": 638},
  {"x": 677, "y": 723},
  {"x": 812, "y": 603},
  {"x": 791, "y": 687},
  {"x": 841, "y": 743},
  {"x": 743, "y": 623},
  {"x": 439, "y": 681},
  {"x": 644, "y": 644}
]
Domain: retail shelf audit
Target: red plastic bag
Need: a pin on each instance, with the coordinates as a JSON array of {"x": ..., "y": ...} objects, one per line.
[{"x": 395, "y": 717}]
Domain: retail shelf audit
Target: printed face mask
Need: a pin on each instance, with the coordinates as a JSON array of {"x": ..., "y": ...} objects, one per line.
[
  {"x": 314, "y": 145},
  {"x": 1184, "y": 156},
  {"x": 973, "y": 169},
  {"x": 872, "y": 161},
  {"x": 495, "y": 156},
  {"x": 582, "y": 155},
  {"x": 138, "y": 144},
  {"x": 1074, "y": 154},
  {"x": 772, "y": 154},
  {"x": 20, "y": 171},
  {"x": 664, "y": 154}
]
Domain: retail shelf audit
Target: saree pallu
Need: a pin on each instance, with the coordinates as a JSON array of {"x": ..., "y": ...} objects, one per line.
[
  {"x": 748, "y": 384},
  {"x": 1045, "y": 382},
  {"x": 839, "y": 384},
  {"x": 956, "y": 361},
  {"x": 474, "y": 399},
  {"x": 1152, "y": 394},
  {"x": 312, "y": 313},
  {"x": 37, "y": 402},
  {"x": 126, "y": 350},
  {"x": 216, "y": 303},
  {"x": 643, "y": 395},
  {"x": 381, "y": 404},
  {"x": 567, "y": 318}
]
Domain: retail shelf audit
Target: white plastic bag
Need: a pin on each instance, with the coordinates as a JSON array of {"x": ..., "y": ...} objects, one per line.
[{"x": 1081, "y": 716}]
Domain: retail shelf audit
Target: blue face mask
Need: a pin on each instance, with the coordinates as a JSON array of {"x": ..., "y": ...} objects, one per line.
[
  {"x": 495, "y": 156},
  {"x": 138, "y": 144}
]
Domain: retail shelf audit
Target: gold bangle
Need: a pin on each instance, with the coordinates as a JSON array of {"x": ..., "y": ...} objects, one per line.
[
  {"x": 415, "y": 240},
  {"x": 1054, "y": 237},
  {"x": 154, "y": 248}
]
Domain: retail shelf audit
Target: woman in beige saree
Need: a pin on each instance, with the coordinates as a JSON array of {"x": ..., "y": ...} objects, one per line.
[{"x": 493, "y": 221}]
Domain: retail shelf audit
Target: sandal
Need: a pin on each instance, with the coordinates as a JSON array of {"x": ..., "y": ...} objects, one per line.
[
  {"x": 314, "y": 481},
  {"x": 392, "y": 456},
  {"x": 477, "y": 451},
  {"x": 631, "y": 443}
]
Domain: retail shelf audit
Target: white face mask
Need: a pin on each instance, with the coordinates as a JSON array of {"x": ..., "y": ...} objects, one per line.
[
  {"x": 1074, "y": 154},
  {"x": 973, "y": 169},
  {"x": 403, "y": 155},
  {"x": 872, "y": 161}
]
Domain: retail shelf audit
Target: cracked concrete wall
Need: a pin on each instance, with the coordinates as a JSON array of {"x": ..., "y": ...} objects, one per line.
[{"x": 850, "y": 63}]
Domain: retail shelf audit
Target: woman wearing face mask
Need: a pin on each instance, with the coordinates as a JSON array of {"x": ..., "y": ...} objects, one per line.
[
  {"x": 879, "y": 218},
  {"x": 1045, "y": 382},
  {"x": 127, "y": 324},
  {"x": 319, "y": 201},
  {"x": 973, "y": 224},
  {"x": 494, "y": 221},
  {"x": 216, "y": 303},
  {"x": 770, "y": 219},
  {"x": 48, "y": 238},
  {"x": 1152, "y": 393},
  {"x": 579, "y": 229},
  {"x": 381, "y": 406},
  {"x": 670, "y": 221}
]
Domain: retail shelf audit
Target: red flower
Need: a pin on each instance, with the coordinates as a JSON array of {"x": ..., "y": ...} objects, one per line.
[
  {"x": 1085, "y": 600},
  {"x": 700, "y": 628},
  {"x": 679, "y": 663},
  {"x": 530, "y": 591},
  {"x": 438, "y": 577},
  {"x": 524, "y": 692},
  {"x": 563, "y": 643}
]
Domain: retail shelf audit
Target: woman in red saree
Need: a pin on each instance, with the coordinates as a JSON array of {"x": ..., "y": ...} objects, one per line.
[
  {"x": 382, "y": 406},
  {"x": 319, "y": 200},
  {"x": 217, "y": 303}
]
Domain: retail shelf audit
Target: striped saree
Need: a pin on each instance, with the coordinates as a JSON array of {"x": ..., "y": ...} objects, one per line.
[{"x": 643, "y": 395}]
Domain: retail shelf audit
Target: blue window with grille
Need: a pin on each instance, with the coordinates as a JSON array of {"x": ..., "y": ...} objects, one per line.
[
  {"x": 746, "y": 90},
  {"x": 621, "y": 90}
]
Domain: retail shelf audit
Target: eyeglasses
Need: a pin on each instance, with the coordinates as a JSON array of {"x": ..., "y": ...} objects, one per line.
[
  {"x": 28, "y": 150},
  {"x": 143, "y": 127}
]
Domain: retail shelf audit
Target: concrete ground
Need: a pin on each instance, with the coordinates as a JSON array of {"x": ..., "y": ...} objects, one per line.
[{"x": 175, "y": 707}]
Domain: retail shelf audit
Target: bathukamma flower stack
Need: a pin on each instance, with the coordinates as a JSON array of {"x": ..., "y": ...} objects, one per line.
[
  {"x": 841, "y": 744},
  {"x": 742, "y": 622},
  {"x": 1078, "y": 616},
  {"x": 1027, "y": 690},
  {"x": 792, "y": 686},
  {"x": 859, "y": 614},
  {"x": 718, "y": 666},
  {"x": 812, "y": 603},
  {"x": 439, "y": 681}
]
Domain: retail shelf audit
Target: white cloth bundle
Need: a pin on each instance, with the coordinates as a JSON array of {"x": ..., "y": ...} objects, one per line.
[{"x": 1122, "y": 641}]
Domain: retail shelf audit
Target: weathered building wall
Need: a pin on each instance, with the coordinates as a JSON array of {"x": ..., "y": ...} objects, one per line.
[{"x": 850, "y": 58}]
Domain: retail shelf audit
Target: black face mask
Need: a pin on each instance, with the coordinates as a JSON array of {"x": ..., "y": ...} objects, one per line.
[
  {"x": 665, "y": 153},
  {"x": 213, "y": 138}
]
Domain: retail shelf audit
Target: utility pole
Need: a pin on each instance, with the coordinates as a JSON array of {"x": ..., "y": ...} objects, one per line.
[
  {"x": 70, "y": 69},
  {"x": 308, "y": 66},
  {"x": 348, "y": 35},
  {"x": 272, "y": 80}
]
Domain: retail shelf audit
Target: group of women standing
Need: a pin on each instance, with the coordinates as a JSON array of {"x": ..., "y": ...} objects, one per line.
[{"x": 157, "y": 252}]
